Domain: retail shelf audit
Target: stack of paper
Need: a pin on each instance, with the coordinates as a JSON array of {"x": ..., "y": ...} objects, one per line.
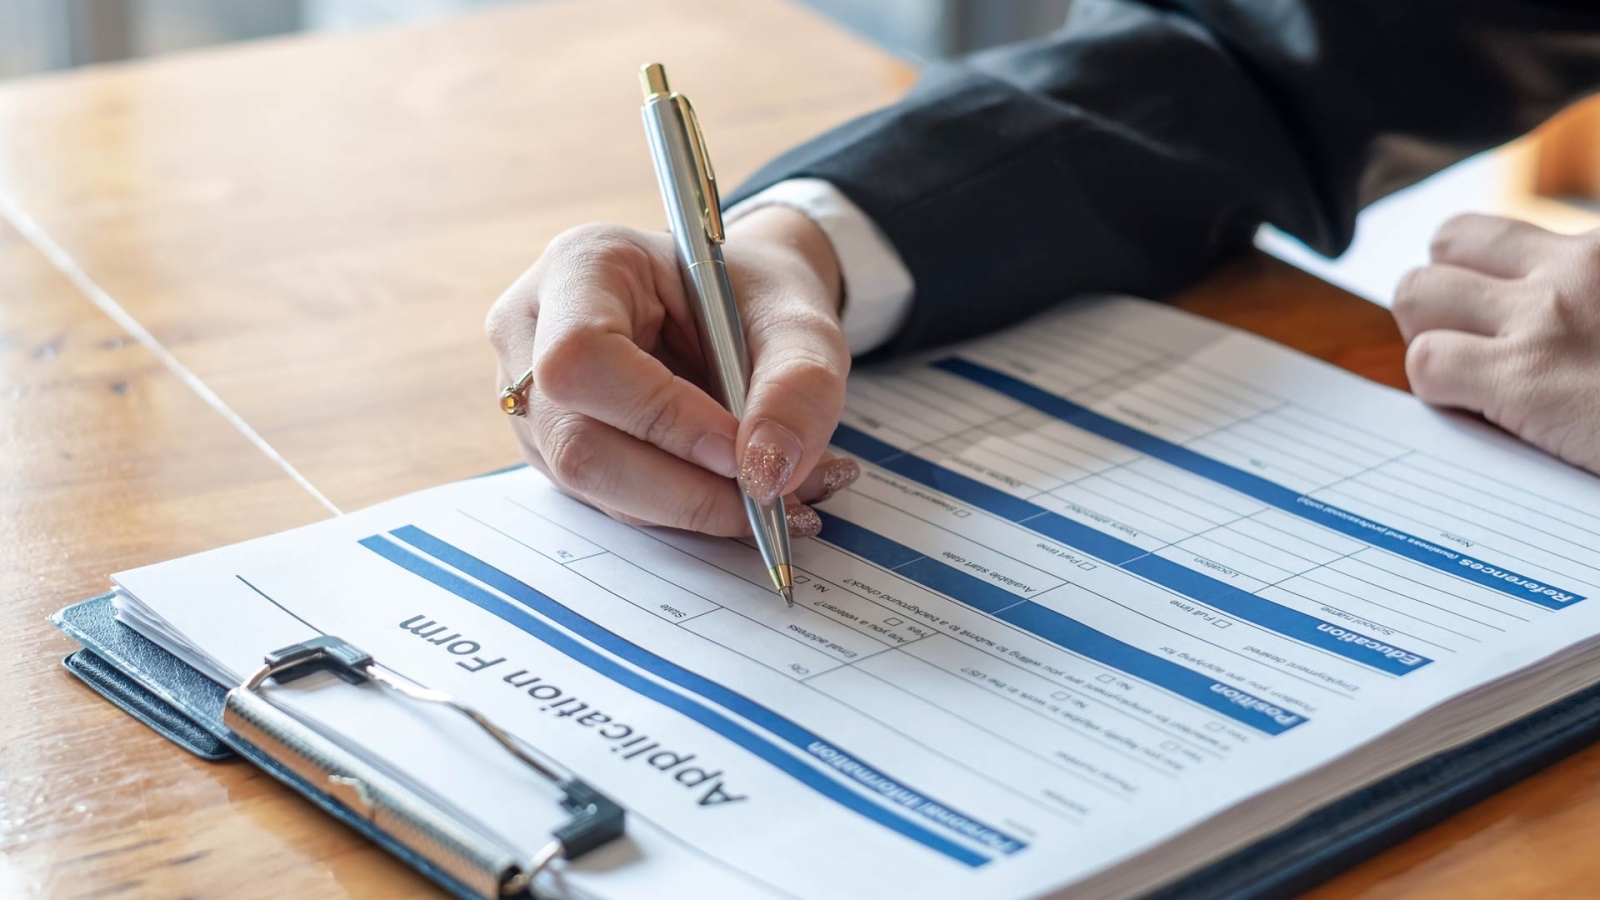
[{"x": 1118, "y": 592}]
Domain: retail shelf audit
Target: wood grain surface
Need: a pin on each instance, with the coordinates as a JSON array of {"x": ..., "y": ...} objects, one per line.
[
  {"x": 111, "y": 461},
  {"x": 316, "y": 227},
  {"x": 312, "y": 228}
]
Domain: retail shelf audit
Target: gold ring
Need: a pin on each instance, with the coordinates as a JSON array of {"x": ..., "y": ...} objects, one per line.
[{"x": 514, "y": 399}]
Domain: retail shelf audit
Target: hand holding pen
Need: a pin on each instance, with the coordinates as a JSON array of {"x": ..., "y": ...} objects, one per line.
[{"x": 617, "y": 410}]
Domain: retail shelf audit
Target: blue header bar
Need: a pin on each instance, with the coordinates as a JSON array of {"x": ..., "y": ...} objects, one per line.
[
  {"x": 1275, "y": 495},
  {"x": 1292, "y": 623},
  {"x": 907, "y": 805},
  {"x": 1063, "y": 631}
]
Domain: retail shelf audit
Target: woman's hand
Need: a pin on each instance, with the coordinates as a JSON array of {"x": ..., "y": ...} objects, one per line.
[
  {"x": 617, "y": 413},
  {"x": 1506, "y": 322}
]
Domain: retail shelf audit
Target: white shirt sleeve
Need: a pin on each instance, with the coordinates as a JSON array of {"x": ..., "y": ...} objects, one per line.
[{"x": 877, "y": 285}]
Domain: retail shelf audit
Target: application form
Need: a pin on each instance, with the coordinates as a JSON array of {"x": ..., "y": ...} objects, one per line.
[{"x": 1120, "y": 577}]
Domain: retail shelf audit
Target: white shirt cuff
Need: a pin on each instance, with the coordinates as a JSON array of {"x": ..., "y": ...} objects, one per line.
[{"x": 877, "y": 285}]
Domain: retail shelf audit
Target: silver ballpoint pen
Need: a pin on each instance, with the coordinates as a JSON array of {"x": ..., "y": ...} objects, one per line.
[{"x": 694, "y": 214}]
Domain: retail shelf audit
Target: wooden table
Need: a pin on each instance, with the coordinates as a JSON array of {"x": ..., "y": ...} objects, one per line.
[{"x": 241, "y": 287}]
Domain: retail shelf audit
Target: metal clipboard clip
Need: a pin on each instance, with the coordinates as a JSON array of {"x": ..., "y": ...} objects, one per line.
[{"x": 462, "y": 850}]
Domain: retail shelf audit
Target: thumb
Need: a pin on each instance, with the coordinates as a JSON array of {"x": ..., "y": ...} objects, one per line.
[{"x": 799, "y": 363}]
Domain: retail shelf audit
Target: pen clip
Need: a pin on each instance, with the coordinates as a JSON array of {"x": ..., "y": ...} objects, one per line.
[{"x": 711, "y": 211}]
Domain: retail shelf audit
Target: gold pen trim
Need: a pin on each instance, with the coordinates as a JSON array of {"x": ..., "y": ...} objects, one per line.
[
  {"x": 710, "y": 200},
  {"x": 653, "y": 79}
]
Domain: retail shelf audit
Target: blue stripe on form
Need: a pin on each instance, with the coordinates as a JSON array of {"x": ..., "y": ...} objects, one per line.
[
  {"x": 906, "y": 799},
  {"x": 1063, "y": 631},
  {"x": 1275, "y": 495},
  {"x": 1203, "y": 588}
]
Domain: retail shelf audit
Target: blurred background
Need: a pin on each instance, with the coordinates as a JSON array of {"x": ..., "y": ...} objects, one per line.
[
  {"x": 38, "y": 35},
  {"x": 1552, "y": 179}
]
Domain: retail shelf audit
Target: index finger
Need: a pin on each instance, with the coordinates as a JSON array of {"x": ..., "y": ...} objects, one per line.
[{"x": 585, "y": 360}]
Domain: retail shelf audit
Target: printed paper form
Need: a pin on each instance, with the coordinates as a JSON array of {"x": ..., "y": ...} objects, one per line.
[{"x": 1102, "y": 578}]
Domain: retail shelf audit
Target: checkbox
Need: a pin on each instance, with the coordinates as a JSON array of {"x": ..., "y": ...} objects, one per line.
[
  {"x": 1106, "y": 678},
  {"x": 1213, "y": 726},
  {"x": 1086, "y": 565},
  {"x": 1169, "y": 745},
  {"x": 1221, "y": 623},
  {"x": 962, "y": 514},
  {"x": 892, "y": 621},
  {"x": 801, "y": 579},
  {"x": 1059, "y": 695}
]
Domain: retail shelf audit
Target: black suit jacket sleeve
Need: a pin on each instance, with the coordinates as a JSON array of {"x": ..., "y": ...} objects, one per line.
[{"x": 1133, "y": 149}]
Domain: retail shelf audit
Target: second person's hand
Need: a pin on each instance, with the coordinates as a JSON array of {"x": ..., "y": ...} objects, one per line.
[
  {"x": 616, "y": 412},
  {"x": 1505, "y": 322}
]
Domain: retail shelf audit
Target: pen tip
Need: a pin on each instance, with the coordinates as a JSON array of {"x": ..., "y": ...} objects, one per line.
[
  {"x": 788, "y": 595},
  {"x": 783, "y": 579}
]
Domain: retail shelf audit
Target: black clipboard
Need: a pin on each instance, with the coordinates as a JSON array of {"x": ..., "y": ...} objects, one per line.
[
  {"x": 216, "y": 723},
  {"x": 179, "y": 702}
]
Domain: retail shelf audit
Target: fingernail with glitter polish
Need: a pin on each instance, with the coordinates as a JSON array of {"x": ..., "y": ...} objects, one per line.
[
  {"x": 837, "y": 474},
  {"x": 803, "y": 520},
  {"x": 768, "y": 461}
]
